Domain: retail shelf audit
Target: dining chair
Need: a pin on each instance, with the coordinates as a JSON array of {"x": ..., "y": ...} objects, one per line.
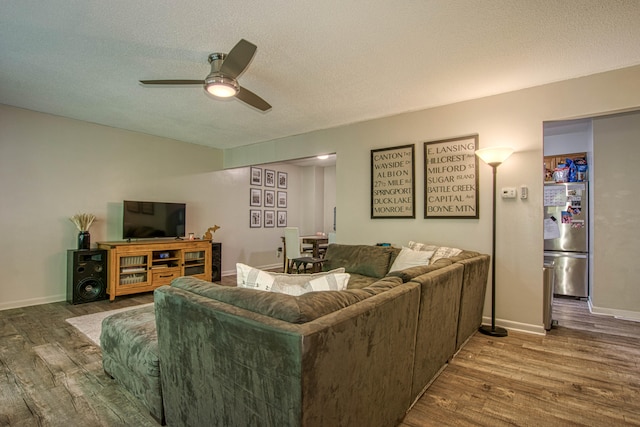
[{"x": 295, "y": 259}]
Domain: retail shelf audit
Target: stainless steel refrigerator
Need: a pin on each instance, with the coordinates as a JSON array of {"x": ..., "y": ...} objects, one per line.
[{"x": 566, "y": 237}]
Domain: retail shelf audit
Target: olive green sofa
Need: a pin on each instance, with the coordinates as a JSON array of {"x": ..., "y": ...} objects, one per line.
[{"x": 232, "y": 356}]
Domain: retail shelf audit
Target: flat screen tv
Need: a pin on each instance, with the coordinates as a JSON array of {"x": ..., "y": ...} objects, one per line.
[{"x": 147, "y": 220}]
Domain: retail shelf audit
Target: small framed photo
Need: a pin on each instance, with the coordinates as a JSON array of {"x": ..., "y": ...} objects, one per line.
[
  {"x": 269, "y": 198},
  {"x": 282, "y": 199},
  {"x": 269, "y": 178},
  {"x": 255, "y": 197},
  {"x": 269, "y": 219},
  {"x": 256, "y": 176},
  {"x": 255, "y": 218},
  {"x": 282, "y": 218},
  {"x": 282, "y": 180}
]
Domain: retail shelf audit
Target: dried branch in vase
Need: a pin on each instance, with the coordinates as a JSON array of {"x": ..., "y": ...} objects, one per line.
[{"x": 83, "y": 221}]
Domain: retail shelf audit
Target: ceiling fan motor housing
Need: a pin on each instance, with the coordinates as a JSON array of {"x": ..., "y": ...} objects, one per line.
[{"x": 218, "y": 84}]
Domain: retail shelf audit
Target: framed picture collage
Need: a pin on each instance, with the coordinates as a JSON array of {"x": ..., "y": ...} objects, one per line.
[{"x": 267, "y": 198}]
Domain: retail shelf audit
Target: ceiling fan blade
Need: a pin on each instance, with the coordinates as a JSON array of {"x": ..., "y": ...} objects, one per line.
[
  {"x": 172, "y": 82},
  {"x": 238, "y": 59},
  {"x": 248, "y": 97}
]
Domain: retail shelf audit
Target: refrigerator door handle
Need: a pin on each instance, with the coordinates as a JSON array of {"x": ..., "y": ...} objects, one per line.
[{"x": 566, "y": 254}]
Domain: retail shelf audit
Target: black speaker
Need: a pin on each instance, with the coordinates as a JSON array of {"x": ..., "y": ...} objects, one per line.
[
  {"x": 216, "y": 261},
  {"x": 86, "y": 276}
]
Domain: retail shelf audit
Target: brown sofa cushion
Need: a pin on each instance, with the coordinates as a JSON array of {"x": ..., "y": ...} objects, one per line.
[
  {"x": 372, "y": 261},
  {"x": 409, "y": 273},
  {"x": 292, "y": 309},
  {"x": 358, "y": 281}
]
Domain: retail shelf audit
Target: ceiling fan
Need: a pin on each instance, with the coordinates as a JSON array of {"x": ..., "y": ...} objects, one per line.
[{"x": 222, "y": 81}]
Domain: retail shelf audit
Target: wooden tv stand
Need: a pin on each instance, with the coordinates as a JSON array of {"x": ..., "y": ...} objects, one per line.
[{"x": 142, "y": 266}]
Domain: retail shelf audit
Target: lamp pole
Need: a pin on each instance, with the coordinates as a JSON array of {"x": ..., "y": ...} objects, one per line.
[
  {"x": 495, "y": 331},
  {"x": 494, "y": 157}
]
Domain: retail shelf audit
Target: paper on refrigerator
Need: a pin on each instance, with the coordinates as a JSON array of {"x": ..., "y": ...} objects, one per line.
[{"x": 551, "y": 229}]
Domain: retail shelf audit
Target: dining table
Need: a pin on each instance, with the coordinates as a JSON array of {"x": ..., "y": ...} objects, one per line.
[{"x": 315, "y": 240}]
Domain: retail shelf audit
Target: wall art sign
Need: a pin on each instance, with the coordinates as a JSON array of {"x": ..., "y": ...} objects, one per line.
[
  {"x": 282, "y": 179},
  {"x": 282, "y": 218},
  {"x": 282, "y": 199},
  {"x": 451, "y": 178},
  {"x": 269, "y": 178},
  {"x": 269, "y": 198},
  {"x": 269, "y": 219},
  {"x": 255, "y": 197},
  {"x": 255, "y": 218},
  {"x": 256, "y": 176},
  {"x": 393, "y": 182}
]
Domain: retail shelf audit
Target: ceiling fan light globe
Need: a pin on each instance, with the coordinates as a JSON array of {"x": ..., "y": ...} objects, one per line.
[
  {"x": 221, "y": 86},
  {"x": 221, "y": 91}
]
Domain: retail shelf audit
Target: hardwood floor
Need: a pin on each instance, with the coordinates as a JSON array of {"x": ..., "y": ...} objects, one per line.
[{"x": 583, "y": 373}]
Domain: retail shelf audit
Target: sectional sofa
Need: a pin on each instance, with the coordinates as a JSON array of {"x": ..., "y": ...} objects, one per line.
[{"x": 355, "y": 357}]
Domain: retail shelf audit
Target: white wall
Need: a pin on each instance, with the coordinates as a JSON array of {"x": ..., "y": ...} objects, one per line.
[
  {"x": 515, "y": 119},
  {"x": 616, "y": 288},
  {"x": 329, "y": 199},
  {"x": 567, "y": 137},
  {"x": 53, "y": 167},
  {"x": 312, "y": 198}
]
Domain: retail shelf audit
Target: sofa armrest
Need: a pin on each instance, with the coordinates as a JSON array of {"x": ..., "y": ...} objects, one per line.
[
  {"x": 474, "y": 286},
  {"x": 437, "y": 323}
]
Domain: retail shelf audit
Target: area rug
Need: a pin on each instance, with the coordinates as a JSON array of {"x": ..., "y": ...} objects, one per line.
[{"x": 91, "y": 324}]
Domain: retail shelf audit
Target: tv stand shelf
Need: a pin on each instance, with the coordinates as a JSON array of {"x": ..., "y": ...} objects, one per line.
[{"x": 144, "y": 265}]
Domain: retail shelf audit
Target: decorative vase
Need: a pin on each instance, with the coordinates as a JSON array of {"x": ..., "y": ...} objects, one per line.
[{"x": 84, "y": 240}]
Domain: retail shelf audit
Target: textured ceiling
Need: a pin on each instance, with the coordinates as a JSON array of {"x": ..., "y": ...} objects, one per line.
[{"x": 320, "y": 64}]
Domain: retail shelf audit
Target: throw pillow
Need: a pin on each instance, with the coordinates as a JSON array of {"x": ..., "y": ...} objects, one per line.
[
  {"x": 409, "y": 258},
  {"x": 328, "y": 282},
  {"x": 421, "y": 246},
  {"x": 445, "y": 252},
  {"x": 250, "y": 277},
  {"x": 439, "y": 251}
]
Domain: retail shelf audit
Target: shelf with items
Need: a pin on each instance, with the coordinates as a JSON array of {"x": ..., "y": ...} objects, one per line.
[
  {"x": 132, "y": 269},
  {"x": 551, "y": 163},
  {"x": 142, "y": 266},
  {"x": 166, "y": 259},
  {"x": 195, "y": 263}
]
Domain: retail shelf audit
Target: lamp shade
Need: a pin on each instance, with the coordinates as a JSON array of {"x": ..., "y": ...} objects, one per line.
[{"x": 494, "y": 155}]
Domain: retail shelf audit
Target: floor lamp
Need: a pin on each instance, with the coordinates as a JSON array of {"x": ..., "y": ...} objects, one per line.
[{"x": 494, "y": 157}]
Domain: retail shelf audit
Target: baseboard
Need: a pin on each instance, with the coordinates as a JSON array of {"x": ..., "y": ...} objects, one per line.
[
  {"x": 261, "y": 267},
  {"x": 516, "y": 326},
  {"x": 633, "y": 316},
  {"x": 33, "y": 301}
]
